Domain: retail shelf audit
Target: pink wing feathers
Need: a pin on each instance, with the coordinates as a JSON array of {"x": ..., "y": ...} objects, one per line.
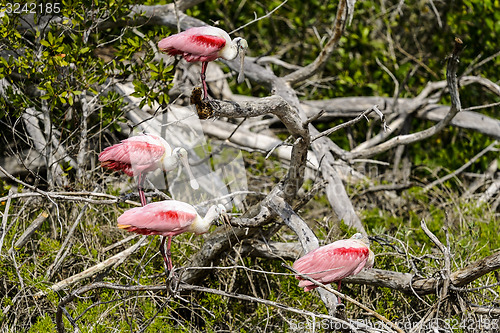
[
  {"x": 195, "y": 44},
  {"x": 332, "y": 262},
  {"x": 166, "y": 218},
  {"x": 135, "y": 154}
]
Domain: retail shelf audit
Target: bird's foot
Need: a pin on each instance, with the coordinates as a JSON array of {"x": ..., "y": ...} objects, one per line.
[
  {"x": 214, "y": 104},
  {"x": 172, "y": 280},
  {"x": 340, "y": 312},
  {"x": 170, "y": 274},
  {"x": 128, "y": 196}
]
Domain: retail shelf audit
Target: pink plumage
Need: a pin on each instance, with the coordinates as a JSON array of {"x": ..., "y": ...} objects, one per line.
[
  {"x": 334, "y": 262},
  {"x": 204, "y": 44},
  {"x": 196, "y": 44},
  {"x": 166, "y": 218},
  {"x": 142, "y": 153}
]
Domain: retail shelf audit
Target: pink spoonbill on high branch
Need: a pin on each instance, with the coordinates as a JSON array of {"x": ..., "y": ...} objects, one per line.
[
  {"x": 144, "y": 153},
  {"x": 335, "y": 261},
  {"x": 168, "y": 218},
  {"x": 205, "y": 44}
]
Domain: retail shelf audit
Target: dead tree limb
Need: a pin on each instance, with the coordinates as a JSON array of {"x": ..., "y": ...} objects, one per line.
[
  {"x": 463, "y": 167},
  {"x": 325, "y": 54},
  {"x": 451, "y": 78},
  {"x": 405, "y": 282},
  {"x": 25, "y": 237},
  {"x": 307, "y": 239},
  {"x": 5, "y": 217},
  {"x": 114, "y": 260}
]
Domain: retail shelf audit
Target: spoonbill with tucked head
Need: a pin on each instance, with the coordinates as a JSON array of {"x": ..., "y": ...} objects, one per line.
[
  {"x": 205, "y": 44},
  {"x": 335, "y": 261}
]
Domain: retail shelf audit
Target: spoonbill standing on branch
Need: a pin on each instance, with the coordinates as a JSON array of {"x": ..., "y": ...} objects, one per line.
[
  {"x": 168, "y": 218},
  {"x": 335, "y": 261},
  {"x": 205, "y": 44},
  {"x": 140, "y": 154}
]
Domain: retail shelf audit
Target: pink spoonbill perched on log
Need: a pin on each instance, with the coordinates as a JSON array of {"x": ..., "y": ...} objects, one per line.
[
  {"x": 335, "y": 261},
  {"x": 205, "y": 44},
  {"x": 168, "y": 218},
  {"x": 140, "y": 154}
]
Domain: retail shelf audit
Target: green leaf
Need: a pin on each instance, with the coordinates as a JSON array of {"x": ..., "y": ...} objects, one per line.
[{"x": 152, "y": 67}]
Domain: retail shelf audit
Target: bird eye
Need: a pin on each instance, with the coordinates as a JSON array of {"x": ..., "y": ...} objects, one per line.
[{"x": 242, "y": 44}]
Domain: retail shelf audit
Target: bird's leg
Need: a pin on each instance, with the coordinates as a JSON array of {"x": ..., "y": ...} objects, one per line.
[
  {"x": 164, "y": 255},
  {"x": 140, "y": 188},
  {"x": 169, "y": 254},
  {"x": 203, "y": 82},
  {"x": 340, "y": 302},
  {"x": 209, "y": 102}
]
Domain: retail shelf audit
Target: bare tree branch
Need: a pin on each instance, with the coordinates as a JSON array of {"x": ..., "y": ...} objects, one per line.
[
  {"x": 414, "y": 137},
  {"x": 117, "y": 259},
  {"x": 5, "y": 218},
  {"x": 463, "y": 167},
  {"x": 308, "y": 71}
]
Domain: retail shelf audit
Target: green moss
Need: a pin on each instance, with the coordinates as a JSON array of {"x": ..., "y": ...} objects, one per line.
[{"x": 43, "y": 323}]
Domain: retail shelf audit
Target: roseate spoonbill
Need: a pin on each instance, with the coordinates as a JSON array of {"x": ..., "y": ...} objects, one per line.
[
  {"x": 335, "y": 261},
  {"x": 168, "y": 218},
  {"x": 205, "y": 44},
  {"x": 140, "y": 154}
]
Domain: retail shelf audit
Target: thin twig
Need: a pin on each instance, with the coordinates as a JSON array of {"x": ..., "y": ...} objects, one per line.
[
  {"x": 62, "y": 253},
  {"x": 259, "y": 18},
  {"x": 394, "y": 79},
  {"x": 482, "y": 62},
  {"x": 5, "y": 217},
  {"x": 351, "y": 122},
  {"x": 73, "y": 196},
  {"x": 463, "y": 167},
  {"x": 119, "y": 243},
  {"x": 313, "y": 118},
  {"x": 479, "y": 107},
  {"x": 446, "y": 254}
]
